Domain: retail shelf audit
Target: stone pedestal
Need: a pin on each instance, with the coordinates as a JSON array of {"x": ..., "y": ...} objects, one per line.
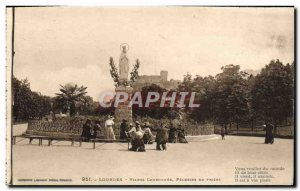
[{"x": 123, "y": 111}]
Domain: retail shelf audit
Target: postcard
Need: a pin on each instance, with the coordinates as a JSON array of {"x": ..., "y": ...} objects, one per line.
[{"x": 151, "y": 96}]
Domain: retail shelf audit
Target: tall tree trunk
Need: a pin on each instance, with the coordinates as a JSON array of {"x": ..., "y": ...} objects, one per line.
[{"x": 72, "y": 110}]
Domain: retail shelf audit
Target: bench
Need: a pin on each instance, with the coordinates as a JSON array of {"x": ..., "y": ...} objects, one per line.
[
  {"x": 62, "y": 130},
  {"x": 72, "y": 139},
  {"x": 49, "y": 138},
  {"x": 109, "y": 141},
  {"x": 30, "y": 137}
]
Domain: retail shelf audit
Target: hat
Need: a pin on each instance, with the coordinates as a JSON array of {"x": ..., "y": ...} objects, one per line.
[
  {"x": 130, "y": 124},
  {"x": 147, "y": 124},
  {"x": 124, "y": 120},
  {"x": 137, "y": 122}
]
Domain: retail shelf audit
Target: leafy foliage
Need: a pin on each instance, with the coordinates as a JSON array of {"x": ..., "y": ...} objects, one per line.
[
  {"x": 233, "y": 96},
  {"x": 154, "y": 110},
  {"x": 114, "y": 72},
  {"x": 134, "y": 74},
  {"x": 272, "y": 95},
  {"x": 71, "y": 97},
  {"x": 26, "y": 103}
]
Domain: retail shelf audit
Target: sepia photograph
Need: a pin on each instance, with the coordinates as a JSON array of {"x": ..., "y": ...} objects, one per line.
[{"x": 150, "y": 96}]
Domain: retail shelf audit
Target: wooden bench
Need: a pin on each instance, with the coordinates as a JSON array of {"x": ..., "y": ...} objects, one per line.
[
  {"x": 49, "y": 138},
  {"x": 109, "y": 141},
  {"x": 30, "y": 137},
  {"x": 72, "y": 139}
]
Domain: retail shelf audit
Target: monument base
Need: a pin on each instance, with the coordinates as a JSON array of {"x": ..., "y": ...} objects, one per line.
[{"x": 123, "y": 111}]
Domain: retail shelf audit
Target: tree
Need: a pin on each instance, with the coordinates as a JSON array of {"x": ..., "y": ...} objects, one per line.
[
  {"x": 71, "y": 96},
  {"x": 88, "y": 106},
  {"x": 114, "y": 72},
  {"x": 105, "y": 110},
  {"x": 205, "y": 88},
  {"x": 28, "y": 104},
  {"x": 154, "y": 110},
  {"x": 134, "y": 74},
  {"x": 21, "y": 99},
  {"x": 40, "y": 105},
  {"x": 272, "y": 95},
  {"x": 230, "y": 98},
  {"x": 187, "y": 84}
]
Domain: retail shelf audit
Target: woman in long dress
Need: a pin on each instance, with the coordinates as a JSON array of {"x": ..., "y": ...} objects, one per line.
[
  {"x": 109, "y": 132},
  {"x": 86, "y": 134},
  {"x": 269, "y": 138},
  {"x": 172, "y": 134},
  {"x": 123, "y": 129}
]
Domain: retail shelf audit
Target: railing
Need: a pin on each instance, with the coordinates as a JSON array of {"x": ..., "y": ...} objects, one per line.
[{"x": 280, "y": 131}]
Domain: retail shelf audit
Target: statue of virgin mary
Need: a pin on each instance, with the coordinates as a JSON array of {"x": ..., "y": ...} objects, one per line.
[{"x": 123, "y": 64}]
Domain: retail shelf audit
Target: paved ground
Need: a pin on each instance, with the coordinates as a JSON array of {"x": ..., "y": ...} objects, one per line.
[{"x": 204, "y": 160}]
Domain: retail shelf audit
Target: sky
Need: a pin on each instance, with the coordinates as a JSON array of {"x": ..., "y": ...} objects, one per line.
[{"x": 59, "y": 45}]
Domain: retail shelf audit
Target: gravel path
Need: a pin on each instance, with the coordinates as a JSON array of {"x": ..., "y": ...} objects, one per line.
[{"x": 202, "y": 161}]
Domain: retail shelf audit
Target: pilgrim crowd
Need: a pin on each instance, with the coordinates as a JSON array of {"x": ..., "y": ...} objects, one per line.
[
  {"x": 137, "y": 133},
  {"x": 140, "y": 134}
]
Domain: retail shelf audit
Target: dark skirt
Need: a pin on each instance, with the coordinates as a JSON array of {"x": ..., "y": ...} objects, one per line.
[
  {"x": 138, "y": 145},
  {"x": 86, "y": 134},
  {"x": 162, "y": 136},
  {"x": 269, "y": 138},
  {"x": 147, "y": 139},
  {"x": 181, "y": 137},
  {"x": 172, "y": 136},
  {"x": 123, "y": 135}
]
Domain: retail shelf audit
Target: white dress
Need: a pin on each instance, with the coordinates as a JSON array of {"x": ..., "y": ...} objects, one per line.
[
  {"x": 109, "y": 132},
  {"x": 132, "y": 132}
]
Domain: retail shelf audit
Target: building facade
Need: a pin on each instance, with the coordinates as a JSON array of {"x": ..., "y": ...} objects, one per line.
[{"x": 160, "y": 80}]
